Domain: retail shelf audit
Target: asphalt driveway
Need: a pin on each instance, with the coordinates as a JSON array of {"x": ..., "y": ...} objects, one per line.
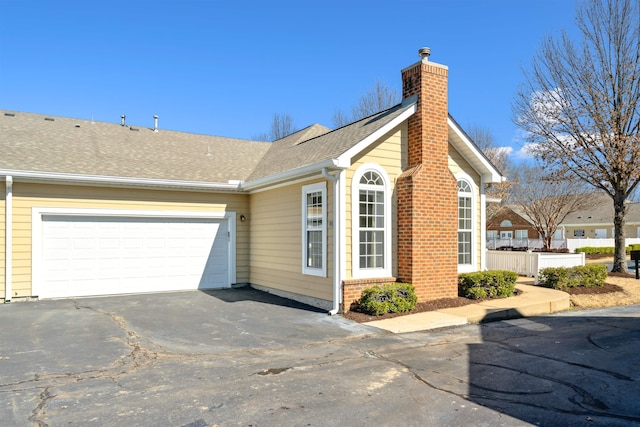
[{"x": 242, "y": 357}]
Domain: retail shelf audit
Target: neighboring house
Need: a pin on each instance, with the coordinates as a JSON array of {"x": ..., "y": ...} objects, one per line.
[
  {"x": 596, "y": 221},
  {"x": 508, "y": 222},
  {"x": 95, "y": 208}
]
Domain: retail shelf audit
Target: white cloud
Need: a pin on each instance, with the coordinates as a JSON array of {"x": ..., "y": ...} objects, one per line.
[{"x": 525, "y": 152}]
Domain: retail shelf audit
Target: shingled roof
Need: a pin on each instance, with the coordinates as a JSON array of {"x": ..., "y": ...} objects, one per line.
[
  {"x": 294, "y": 152},
  {"x": 39, "y": 143},
  {"x": 47, "y": 144},
  {"x": 600, "y": 212}
]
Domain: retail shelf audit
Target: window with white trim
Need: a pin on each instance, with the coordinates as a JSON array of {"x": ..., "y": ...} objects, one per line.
[
  {"x": 314, "y": 229},
  {"x": 465, "y": 223},
  {"x": 371, "y": 222},
  {"x": 522, "y": 234},
  {"x": 371, "y": 219}
]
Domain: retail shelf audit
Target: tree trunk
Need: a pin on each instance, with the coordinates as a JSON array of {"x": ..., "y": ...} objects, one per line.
[{"x": 620, "y": 253}]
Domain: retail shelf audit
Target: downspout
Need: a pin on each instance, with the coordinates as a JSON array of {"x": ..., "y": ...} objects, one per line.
[
  {"x": 337, "y": 282},
  {"x": 8, "y": 237}
]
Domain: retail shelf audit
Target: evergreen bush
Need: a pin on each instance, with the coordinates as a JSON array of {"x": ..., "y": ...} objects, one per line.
[
  {"x": 563, "y": 278},
  {"x": 487, "y": 284},
  {"x": 388, "y": 298}
]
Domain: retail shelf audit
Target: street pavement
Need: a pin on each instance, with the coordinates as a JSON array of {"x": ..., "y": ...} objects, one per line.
[{"x": 241, "y": 357}]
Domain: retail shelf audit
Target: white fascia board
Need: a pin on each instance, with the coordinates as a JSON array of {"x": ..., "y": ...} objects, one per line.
[
  {"x": 289, "y": 175},
  {"x": 489, "y": 173},
  {"x": 345, "y": 158},
  {"x": 77, "y": 179}
]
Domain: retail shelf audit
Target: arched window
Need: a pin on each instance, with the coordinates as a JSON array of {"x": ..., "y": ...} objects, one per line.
[
  {"x": 371, "y": 220},
  {"x": 506, "y": 223},
  {"x": 465, "y": 225}
]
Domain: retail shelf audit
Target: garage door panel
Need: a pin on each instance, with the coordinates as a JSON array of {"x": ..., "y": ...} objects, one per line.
[{"x": 84, "y": 256}]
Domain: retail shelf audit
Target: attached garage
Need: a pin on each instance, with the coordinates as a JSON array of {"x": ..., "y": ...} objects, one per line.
[{"x": 90, "y": 252}]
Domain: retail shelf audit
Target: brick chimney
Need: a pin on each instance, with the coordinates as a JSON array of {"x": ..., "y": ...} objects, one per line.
[{"x": 427, "y": 191}]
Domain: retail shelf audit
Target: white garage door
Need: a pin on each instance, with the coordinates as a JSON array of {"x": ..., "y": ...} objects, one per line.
[{"x": 95, "y": 255}]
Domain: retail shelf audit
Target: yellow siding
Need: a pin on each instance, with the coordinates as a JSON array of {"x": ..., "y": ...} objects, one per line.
[
  {"x": 25, "y": 196},
  {"x": 458, "y": 164},
  {"x": 391, "y": 155},
  {"x": 276, "y": 229},
  {"x": 590, "y": 230}
]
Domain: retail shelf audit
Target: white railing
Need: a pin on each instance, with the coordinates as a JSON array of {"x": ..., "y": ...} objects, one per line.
[
  {"x": 523, "y": 243},
  {"x": 571, "y": 244},
  {"x": 530, "y": 263}
]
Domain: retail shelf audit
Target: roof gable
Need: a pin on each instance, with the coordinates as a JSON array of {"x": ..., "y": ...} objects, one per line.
[
  {"x": 472, "y": 153},
  {"x": 291, "y": 152}
]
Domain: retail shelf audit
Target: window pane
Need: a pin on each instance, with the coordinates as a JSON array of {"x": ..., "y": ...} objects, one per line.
[
  {"x": 314, "y": 229},
  {"x": 464, "y": 187},
  {"x": 371, "y": 249},
  {"x": 371, "y": 221},
  {"x": 464, "y": 247},
  {"x": 314, "y": 249},
  {"x": 465, "y": 224}
]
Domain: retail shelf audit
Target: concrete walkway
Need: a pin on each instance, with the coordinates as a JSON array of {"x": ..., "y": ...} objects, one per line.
[{"x": 531, "y": 301}]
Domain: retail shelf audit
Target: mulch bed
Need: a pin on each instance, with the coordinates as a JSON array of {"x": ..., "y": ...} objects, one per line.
[
  {"x": 439, "y": 304},
  {"x": 605, "y": 289},
  {"x": 420, "y": 308}
]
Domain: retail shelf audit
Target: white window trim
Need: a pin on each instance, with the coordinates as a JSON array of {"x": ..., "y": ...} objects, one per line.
[
  {"x": 467, "y": 268},
  {"x": 506, "y": 235},
  {"x": 356, "y": 271},
  {"x": 306, "y": 189}
]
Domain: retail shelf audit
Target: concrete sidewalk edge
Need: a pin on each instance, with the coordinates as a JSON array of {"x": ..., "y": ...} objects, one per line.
[{"x": 531, "y": 301}]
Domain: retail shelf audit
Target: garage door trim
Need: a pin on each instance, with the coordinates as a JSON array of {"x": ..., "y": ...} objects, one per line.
[{"x": 38, "y": 212}]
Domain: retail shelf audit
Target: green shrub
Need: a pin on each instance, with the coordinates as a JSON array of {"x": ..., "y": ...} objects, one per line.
[
  {"x": 388, "y": 298},
  {"x": 487, "y": 284},
  {"x": 563, "y": 278},
  {"x": 634, "y": 247},
  {"x": 605, "y": 250}
]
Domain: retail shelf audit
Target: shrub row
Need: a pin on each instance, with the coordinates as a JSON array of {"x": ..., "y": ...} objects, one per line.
[
  {"x": 487, "y": 284},
  {"x": 388, "y": 298},
  {"x": 563, "y": 278},
  {"x": 605, "y": 250}
]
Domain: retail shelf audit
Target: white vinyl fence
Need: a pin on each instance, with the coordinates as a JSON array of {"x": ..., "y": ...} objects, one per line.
[
  {"x": 530, "y": 263},
  {"x": 573, "y": 244}
]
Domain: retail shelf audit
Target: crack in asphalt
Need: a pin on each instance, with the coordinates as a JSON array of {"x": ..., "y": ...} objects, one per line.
[
  {"x": 518, "y": 350},
  {"x": 139, "y": 357},
  {"x": 38, "y": 414},
  {"x": 596, "y": 407}
]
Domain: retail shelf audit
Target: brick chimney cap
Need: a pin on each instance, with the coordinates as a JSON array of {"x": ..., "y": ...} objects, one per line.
[{"x": 424, "y": 53}]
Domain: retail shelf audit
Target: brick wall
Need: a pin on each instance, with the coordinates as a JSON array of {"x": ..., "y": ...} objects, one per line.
[
  {"x": 517, "y": 223},
  {"x": 352, "y": 289},
  {"x": 427, "y": 191}
]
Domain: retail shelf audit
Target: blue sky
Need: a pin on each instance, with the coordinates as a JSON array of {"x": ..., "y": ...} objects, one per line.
[{"x": 225, "y": 67}]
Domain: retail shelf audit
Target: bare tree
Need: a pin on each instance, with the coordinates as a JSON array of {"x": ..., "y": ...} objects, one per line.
[
  {"x": 379, "y": 98},
  {"x": 281, "y": 126},
  {"x": 579, "y": 105},
  {"x": 546, "y": 200},
  {"x": 499, "y": 157},
  {"x": 340, "y": 118}
]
